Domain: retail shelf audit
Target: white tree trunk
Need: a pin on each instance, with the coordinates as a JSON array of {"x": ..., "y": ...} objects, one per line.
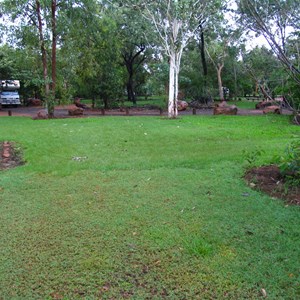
[
  {"x": 175, "y": 27},
  {"x": 173, "y": 87},
  {"x": 175, "y": 59}
]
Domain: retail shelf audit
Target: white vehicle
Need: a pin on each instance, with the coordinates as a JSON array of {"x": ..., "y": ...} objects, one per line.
[{"x": 9, "y": 94}]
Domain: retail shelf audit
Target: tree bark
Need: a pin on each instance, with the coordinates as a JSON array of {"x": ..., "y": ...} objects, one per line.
[
  {"x": 202, "y": 55},
  {"x": 130, "y": 60},
  {"x": 43, "y": 48},
  {"x": 173, "y": 87},
  {"x": 130, "y": 90},
  {"x": 220, "y": 85},
  {"x": 54, "y": 45},
  {"x": 106, "y": 103},
  {"x": 171, "y": 108},
  {"x": 51, "y": 96}
]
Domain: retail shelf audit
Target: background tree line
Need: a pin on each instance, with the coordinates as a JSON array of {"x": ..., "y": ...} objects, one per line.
[{"x": 112, "y": 50}]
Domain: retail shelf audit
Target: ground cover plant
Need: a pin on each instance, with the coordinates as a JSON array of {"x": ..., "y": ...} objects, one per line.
[{"x": 145, "y": 208}]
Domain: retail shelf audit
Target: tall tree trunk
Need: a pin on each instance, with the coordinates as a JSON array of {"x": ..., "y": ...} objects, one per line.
[
  {"x": 132, "y": 63},
  {"x": 220, "y": 85},
  {"x": 130, "y": 89},
  {"x": 203, "y": 57},
  {"x": 172, "y": 105},
  {"x": 54, "y": 44},
  {"x": 51, "y": 100},
  {"x": 235, "y": 81},
  {"x": 43, "y": 48},
  {"x": 173, "y": 86},
  {"x": 106, "y": 102},
  {"x": 175, "y": 59}
]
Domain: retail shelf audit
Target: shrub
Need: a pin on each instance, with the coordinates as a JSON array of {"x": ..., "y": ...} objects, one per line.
[{"x": 289, "y": 163}]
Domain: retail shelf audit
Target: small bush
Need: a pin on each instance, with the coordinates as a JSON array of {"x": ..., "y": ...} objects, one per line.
[
  {"x": 251, "y": 156},
  {"x": 289, "y": 163}
]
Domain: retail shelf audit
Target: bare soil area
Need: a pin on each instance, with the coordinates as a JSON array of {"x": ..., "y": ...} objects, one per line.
[
  {"x": 10, "y": 156},
  {"x": 269, "y": 180}
]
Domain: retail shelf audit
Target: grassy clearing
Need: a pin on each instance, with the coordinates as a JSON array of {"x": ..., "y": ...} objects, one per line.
[
  {"x": 156, "y": 101},
  {"x": 145, "y": 208},
  {"x": 244, "y": 104}
]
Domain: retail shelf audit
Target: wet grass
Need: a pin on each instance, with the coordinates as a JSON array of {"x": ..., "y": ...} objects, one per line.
[{"x": 145, "y": 208}]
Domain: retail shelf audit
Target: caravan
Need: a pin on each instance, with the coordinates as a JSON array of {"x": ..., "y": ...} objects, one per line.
[{"x": 9, "y": 94}]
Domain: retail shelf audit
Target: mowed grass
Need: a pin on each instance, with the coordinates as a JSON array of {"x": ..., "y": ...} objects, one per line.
[
  {"x": 245, "y": 104},
  {"x": 145, "y": 208}
]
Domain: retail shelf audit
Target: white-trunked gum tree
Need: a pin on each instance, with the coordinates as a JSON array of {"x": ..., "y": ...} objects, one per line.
[{"x": 175, "y": 23}]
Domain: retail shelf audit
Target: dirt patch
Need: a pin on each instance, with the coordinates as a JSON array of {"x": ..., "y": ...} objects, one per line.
[
  {"x": 10, "y": 156},
  {"x": 269, "y": 180}
]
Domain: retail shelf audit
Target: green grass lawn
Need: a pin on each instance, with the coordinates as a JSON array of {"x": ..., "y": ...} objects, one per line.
[
  {"x": 156, "y": 101},
  {"x": 161, "y": 101},
  {"x": 245, "y": 104},
  {"x": 145, "y": 208}
]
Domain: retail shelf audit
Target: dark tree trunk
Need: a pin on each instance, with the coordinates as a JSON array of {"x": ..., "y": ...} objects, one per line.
[
  {"x": 51, "y": 101},
  {"x": 106, "y": 103},
  {"x": 54, "y": 45},
  {"x": 132, "y": 63},
  {"x": 202, "y": 51},
  {"x": 43, "y": 48},
  {"x": 49, "y": 89},
  {"x": 130, "y": 89},
  {"x": 202, "y": 54}
]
